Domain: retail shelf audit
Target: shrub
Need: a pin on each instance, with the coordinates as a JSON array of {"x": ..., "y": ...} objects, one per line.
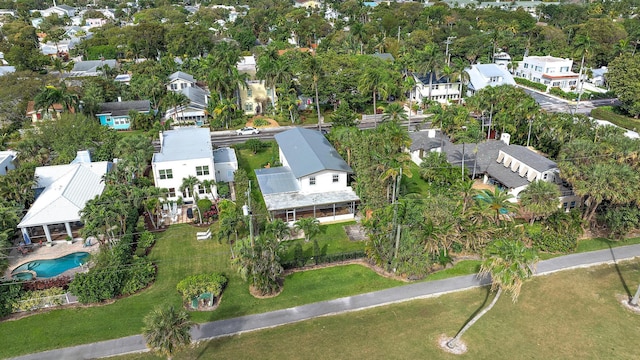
[
  {"x": 197, "y": 285},
  {"x": 32, "y": 300},
  {"x": 42, "y": 284},
  {"x": 98, "y": 284},
  {"x": 146, "y": 240},
  {"x": 563, "y": 94},
  {"x": 9, "y": 295},
  {"x": 620, "y": 220},
  {"x": 529, "y": 83},
  {"x": 140, "y": 274},
  {"x": 223, "y": 189},
  {"x": 260, "y": 122},
  {"x": 204, "y": 205}
]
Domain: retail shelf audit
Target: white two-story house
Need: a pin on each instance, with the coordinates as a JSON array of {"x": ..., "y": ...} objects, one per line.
[
  {"x": 548, "y": 70},
  {"x": 184, "y": 152},
  {"x": 440, "y": 89},
  {"x": 193, "y": 112},
  {"x": 312, "y": 181}
]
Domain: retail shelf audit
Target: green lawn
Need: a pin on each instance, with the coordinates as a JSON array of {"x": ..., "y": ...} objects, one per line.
[
  {"x": 332, "y": 239},
  {"x": 178, "y": 254},
  {"x": 608, "y": 113},
  {"x": 568, "y": 315},
  {"x": 415, "y": 184}
]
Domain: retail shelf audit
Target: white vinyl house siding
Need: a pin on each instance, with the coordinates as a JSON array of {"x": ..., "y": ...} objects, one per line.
[{"x": 323, "y": 182}]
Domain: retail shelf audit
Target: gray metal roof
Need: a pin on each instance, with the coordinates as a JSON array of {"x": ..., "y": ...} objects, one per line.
[
  {"x": 182, "y": 76},
  {"x": 197, "y": 96},
  {"x": 277, "y": 180},
  {"x": 384, "y": 56},
  {"x": 120, "y": 108},
  {"x": 424, "y": 78},
  {"x": 224, "y": 155},
  {"x": 530, "y": 158},
  {"x": 485, "y": 155},
  {"x": 92, "y": 65},
  {"x": 183, "y": 144},
  {"x": 295, "y": 200},
  {"x": 480, "y": 75},
  {"x": 308, "y": 152}
]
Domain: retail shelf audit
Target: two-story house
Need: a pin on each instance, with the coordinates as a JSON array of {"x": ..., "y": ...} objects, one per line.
[
  {"x": 440, "y": 89},
  {"x": 116, "y": 114},
  {"x": 255, "y": 96},
  {"x": 548, "y": 70},
  {"x": 194, "y": 112},
  {"x": 483, "y": 75},
  {"x": 7, "y": 161},
  {"x": 312, "y": 181},
  {"x": 184, "y": 152}
]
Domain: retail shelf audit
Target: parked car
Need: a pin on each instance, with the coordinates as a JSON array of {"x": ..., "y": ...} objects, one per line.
[{"x": 247, "y": 131}]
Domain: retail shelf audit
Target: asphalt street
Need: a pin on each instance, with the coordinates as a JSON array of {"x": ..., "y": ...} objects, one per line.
[{"x": 271, "y": 319}]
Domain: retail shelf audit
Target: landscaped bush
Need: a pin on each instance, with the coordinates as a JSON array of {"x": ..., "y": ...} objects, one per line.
[
  {"x": 42, "y": 284},
  {"x": 197, "y": 285},
  {"x": 32, "y": 300},
  {"x": 145, "y": 241},
  {"x": 620, "y": 220},
  {"x": 204, "y": 205},
  {"x": 529, "y": 83},
  {"x": 98, "y": 285},
  {"x": 260, "y": 122},
  {"x": 140, "y": 274},
  {"x": 9, "y": 295},
  {"x": 563, "y": 94},
  {"x": 223, "y": 189},
  {"x": 614, "y": 116}
]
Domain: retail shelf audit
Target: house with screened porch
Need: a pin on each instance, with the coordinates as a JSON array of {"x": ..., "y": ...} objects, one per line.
[{"x": 312, "y": 181}]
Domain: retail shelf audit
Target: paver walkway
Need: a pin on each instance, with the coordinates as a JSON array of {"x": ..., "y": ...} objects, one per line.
[{"x": 352, "y": 303}]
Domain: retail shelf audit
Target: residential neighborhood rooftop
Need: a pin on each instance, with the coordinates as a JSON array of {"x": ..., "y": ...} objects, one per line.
[
  {"x": 120, "y": 108},
  {"x": 184, "y": 144}
]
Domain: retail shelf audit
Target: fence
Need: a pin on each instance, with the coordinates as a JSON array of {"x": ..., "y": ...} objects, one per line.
[
  {"x": 36, "y": 303},
  {"x": 322, "y": 259}
]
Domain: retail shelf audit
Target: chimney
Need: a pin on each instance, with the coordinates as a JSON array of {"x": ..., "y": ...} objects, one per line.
[
  {"x": 119, "y": 99},
  {"x": 505, "y": 138}
]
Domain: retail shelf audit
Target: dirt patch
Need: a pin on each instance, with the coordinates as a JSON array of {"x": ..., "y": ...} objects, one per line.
[
  {"x": 459, "y": 349},
  {"x": 624, "y": 301},
  {"x": 355, "y": 232},
  {"x": 272, "y": 123},
  {"x": 258, "y": 295}
]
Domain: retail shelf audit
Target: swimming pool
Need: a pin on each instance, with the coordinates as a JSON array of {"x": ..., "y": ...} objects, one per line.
[{"x": 53, "y": 267}]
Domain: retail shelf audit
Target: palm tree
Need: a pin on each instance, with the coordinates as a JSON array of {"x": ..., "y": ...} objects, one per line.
[
  {"x": 189, "y": 184},
  {"x": 394, "y": 112},
  {"x": 582, "y": 45},
  {"x": 167, "y": 329},
  {"x": 278, "y": 228},
  {"x": 51, "y": 95},
  {"x": 431, "y": 60},
  {"x": 509, "y": 263},
  {"x": 540, "y": 199},
  {"x": 496, "y": 201},
  {"x": 315, "y": 70},
  {"x": 376, "y": 81},
  {"x": 310, "y": 226},
  {"x": 260, "y": 264}
]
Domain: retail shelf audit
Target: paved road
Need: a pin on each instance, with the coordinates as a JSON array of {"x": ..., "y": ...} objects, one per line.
[
  {"x": 555, "y": 104},
  {"x": 324, "y": 308}
]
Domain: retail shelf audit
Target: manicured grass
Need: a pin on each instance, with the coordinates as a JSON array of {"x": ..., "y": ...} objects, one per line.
[
  {"x": 464, "y": 267},
  {"x": 178, "y": 254},
  {"x": 415, "y": 184},
  {"x": 608, "y": 113},
  {"x": 249, "y": 161},
  {"x": 331, "y": 240},
  {"x": 602, "y": 243},
  {"x": 568, "y": 315}
]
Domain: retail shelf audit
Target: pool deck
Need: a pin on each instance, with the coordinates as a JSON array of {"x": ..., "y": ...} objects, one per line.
[{"x": 56, "y": 250}]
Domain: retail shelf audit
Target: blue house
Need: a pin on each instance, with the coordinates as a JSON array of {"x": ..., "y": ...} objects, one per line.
[{"x": 116, "y": 114}]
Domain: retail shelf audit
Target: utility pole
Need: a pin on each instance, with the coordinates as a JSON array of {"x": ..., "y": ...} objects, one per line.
[
  {"x": 529, "y": 134},
  {"x": 246, "y": 211},
  {"x": 446, "y": 53},
  {"x": 395, "y": 213},
  {"x": 580, "y": 83}
]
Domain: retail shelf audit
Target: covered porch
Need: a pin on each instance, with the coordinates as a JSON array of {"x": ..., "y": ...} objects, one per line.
[
  {"x": 327, "y": 213},
  {"x": 332, "y": 206},
  {"x": 50, "y": 232}
]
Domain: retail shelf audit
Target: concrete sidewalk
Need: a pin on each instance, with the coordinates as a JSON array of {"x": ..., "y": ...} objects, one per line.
[{"x": 324, "y": 308}]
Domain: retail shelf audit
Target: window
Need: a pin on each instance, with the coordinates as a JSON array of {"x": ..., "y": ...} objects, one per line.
[
  {"x": 545, "y": 176},
  {"x": 564, "y": 206},
  {"x": 172, "y": 192},
  {"x": 564, "y": 69},
  {"x": 202, "y": 170},
  {"x": 248, "y": 106},
  {"x": 572, "y": 205},
  {"x": 526, "y": 66},
  {"x": 312, "y": 180},
  {"x": 166, "y": 174},
  {"x": 174, "y": 86},
  {"x": 572, "y": 82},
  {"x": 183, "y": 85},
  {"x": 336, "y": 178},
  {"x": 551, "y": 70},
  {"x": 249, "y": 92},
  {"x": 538, "y": 68},
  {"x": 202, "y": 190}
]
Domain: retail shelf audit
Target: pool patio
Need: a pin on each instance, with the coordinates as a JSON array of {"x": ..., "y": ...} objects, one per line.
[{"x": 58, "y": 249}]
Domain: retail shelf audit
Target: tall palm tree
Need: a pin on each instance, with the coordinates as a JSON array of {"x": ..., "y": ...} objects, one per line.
[
  {"x": 315, "y": 71},
  {"x": 509, "y": 263},
  {"x": 188, "y": 187},
  {"x": 582, "y": 46},
  {"x": 167, "y": 329},
  {"x": 51, "y": 95},
  {"x": 430, "y": 61},
  {"x": 376, "y": 81},
  {"x": 540, "y": 199},
  {"x": 394, "y": 112}
]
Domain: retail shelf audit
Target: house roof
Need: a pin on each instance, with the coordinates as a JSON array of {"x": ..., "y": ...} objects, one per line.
[
  {"x": 225, "y": 155},
  {"x": 92, "y": 65},
  {"x": 7, "y": 154},
  {"x": 505, "y": 176},
  {"x": 424, "y": 78},
  {"x": 530, "y": 158},
  {"x": 421, "y": 140},
  {"x": 196, "y": 95},
  {"x": 384, "y": 56},
  {"x": 276, "y": 180},
  {"x": 184, "y": 144},
  {"x": 486, "y": 154},
  {"x": 120, "y": 108},
  {"x": 181, "y": 76},
  {"x": 7, "y": 70},
  {"x": 296, "y": 200},
  {"x": 480, "y": 75},
  {"x": 67, "y": 188},
  {"x": 308, "y": 152}
]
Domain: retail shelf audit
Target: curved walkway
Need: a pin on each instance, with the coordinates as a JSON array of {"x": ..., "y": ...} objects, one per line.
[{"x": 325, "y": 308}]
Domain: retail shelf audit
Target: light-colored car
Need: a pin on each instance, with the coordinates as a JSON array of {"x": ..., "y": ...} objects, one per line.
[{"x": 247, "y": 131}]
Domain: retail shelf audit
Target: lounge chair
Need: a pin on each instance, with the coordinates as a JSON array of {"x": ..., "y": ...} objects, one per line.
[{"x": 204, "y": 235}]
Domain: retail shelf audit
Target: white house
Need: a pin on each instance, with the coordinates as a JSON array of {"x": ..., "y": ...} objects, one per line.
[
  {"x": 502, "y": 59},
  {"x": 92, "y": 67},
  {"x": 226, "y": 164},
  {"x": 7, "y": 159},
  {"x": 61, "y": 193},
  {"x": 61, "y": 10},
  {"x": 312, "y": 181},
  {"x": 180, "y": 80},
  {"x": 184, "y": 152},
  {"x": 483, "y": 75},
  {"x": 511, "y": 167},
  {"x": 440, "y": 89},
  {"x": 192, "y": 113},
  {"x": 548, "y": 70}
]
